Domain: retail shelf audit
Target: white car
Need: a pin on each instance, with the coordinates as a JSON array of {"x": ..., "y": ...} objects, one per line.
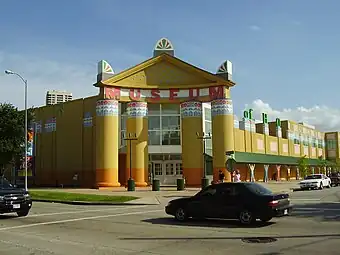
[{"x": 315, "y": 181}]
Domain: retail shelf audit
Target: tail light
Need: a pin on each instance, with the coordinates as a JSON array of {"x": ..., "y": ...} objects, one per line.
[{"x": 273, "y": 203}]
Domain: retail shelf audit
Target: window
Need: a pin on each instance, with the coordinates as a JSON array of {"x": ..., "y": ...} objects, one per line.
[
  {"x": 207, "y": 127},
  {"x": 154, "y": 138},
  {"x": 169, "y": 169},
  {"x": 158, "y": 169},
  {"x": 171, "y": 138},
  {"x": 154, "y": 122},
  {"x": 170, "y": 109},
  {"x": 231, "y": 190},
  {"x": 179, "y": 169},
  {"x": 258, "y": 189},
  {"x": 171, "y": 123},
  {"x": 207, "y": 114},
  {"x": 210, "y": 191},
  {"x": 154, "y": 109}
]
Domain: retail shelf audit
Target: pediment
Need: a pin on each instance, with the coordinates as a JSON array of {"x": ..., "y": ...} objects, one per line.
[{"x": 165, "y": 71}]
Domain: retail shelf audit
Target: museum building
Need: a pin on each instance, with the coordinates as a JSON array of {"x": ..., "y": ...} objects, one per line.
[{"x": 148, "y": 122}]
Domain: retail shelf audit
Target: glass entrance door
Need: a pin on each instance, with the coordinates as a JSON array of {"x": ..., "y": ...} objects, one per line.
[
  {"x": 167, "y": 171},
  {"x": 172, "y": 170}
]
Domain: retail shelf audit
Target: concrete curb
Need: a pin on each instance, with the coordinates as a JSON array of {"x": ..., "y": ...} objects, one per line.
[{"x": 86, "y": 203}]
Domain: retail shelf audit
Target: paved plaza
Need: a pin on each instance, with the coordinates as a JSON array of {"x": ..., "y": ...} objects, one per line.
[{"x": 52, "y": 228}]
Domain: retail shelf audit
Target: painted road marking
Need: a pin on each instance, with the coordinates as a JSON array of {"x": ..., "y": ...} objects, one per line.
[
  {"x": 316, "y": 209},
  {"x": 84, "y": 211},
  {"x": 78, "y": 219},
  {"x": 305, "y": 199}
]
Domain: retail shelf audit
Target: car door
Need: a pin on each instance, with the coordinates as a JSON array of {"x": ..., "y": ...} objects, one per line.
[
  {"x": 324, "y": 180},
  {"x": 201, "y": 204},
  {"x": 231, "y": 200}
]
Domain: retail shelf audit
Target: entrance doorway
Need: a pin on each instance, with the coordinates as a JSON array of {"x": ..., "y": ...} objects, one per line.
[{"x": 167, "y": 171}]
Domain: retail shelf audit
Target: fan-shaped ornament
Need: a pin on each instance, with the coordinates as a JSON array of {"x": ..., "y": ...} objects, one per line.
[{"x": 163, "y": 45}]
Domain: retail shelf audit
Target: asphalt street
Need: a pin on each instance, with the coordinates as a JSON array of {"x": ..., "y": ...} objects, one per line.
[{"x": 313, "y": 228}]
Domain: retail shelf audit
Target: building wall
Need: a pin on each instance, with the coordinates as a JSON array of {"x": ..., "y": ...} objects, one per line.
[{"x": 69, "y": 150}]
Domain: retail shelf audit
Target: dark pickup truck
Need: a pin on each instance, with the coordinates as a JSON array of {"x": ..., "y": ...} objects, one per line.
[
  {"x": 335, "y": 179},
  {"x": 13, "y": 199}
]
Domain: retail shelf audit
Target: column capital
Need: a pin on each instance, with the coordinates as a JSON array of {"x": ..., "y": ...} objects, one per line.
[
  {"x": 107, "y": 107},
  {"x": 137, "y": 109},
  {"x": 191, "y": 109},
  {"x": 222, "y": 107}
]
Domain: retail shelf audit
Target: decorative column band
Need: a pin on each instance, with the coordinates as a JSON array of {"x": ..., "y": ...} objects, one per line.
[
  {"x": 191, "y": 109},
  {"x": 107, "y": 108},
  {"x": 137, "y": 109},
  {"x": 222, "y": 107}
]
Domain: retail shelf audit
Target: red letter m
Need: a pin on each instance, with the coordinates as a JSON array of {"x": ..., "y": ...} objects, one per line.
[{"x": 216, "y": 92}]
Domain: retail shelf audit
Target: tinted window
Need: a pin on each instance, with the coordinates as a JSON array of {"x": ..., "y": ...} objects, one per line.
[
  {"x": 232, "y": 190},
  {"x": 258, "y": 189},
  {"x": 4, "y": 184},
  {"x": 209, "y": 191}
]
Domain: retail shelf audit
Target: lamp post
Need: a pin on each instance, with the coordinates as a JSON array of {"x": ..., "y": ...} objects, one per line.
[
  {"x": 9, "y": 72},
  {"x": 131, "y": 137},
  {"x": 204, "y": 137}
]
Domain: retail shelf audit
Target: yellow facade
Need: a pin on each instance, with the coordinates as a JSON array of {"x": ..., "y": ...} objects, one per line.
[{"x": 78, "y": 143}]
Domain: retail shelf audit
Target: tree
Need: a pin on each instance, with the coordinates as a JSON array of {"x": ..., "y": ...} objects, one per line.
[
  {"x": 12, "y": 134},
  {"x": 322, "y": 164},
  {"x": 303, "y": 166}
]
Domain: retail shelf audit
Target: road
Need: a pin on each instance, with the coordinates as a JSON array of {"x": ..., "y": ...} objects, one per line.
[{"x": 65, "y": 229}]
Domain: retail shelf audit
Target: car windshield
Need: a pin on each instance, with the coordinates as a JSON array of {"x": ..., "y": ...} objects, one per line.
[
  {"x": 258, "y": 189},
  {"x": 313, "y": 177},
  {"x": 4, "y": 184}
]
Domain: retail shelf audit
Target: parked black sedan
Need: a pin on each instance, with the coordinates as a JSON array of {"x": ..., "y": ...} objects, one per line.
[{"x": 244, "y": 201}]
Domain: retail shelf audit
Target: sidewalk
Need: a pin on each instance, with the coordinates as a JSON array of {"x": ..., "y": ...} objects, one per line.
[{"x": 148, "y": 197}]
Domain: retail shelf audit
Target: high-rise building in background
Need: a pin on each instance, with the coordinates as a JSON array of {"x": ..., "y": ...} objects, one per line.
[{"x": 56, "y": 97}]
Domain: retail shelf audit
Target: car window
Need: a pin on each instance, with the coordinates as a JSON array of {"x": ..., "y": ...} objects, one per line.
[
  {"x": 210, "y": 191},
  {"x": 258, "y": 189},
  {"x": 230, "y": 191},
  {"x": 313, "y": 177},
  {"x": 4, "y": 184}
]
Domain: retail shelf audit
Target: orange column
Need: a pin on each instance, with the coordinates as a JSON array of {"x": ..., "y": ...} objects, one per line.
[
  {"x": 192, "y": 148},
  {"x": 137, "y": 123},
  {"x": 107, "y": 143},
  {"x": 222, "y": 134}
]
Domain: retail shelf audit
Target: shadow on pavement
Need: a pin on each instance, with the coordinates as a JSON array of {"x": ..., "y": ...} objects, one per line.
[
  {"x": 7, "y": 216},
  {"x": 335, "y": 236},
  {"x": 322, "y": 211},
  {"x": 206, "y": 223}
]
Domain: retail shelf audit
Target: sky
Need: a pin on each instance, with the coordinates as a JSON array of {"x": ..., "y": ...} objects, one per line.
[{"x": 285, "y": 54}]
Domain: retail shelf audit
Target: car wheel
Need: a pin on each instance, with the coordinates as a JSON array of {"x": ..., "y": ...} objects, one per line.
[
  {"x": 246, "y": 217},
  {"x": 181, "y": 214},
  {"x": 321, "y": 186},
  {"x": 266, "y": 219},
  {"x": 22, "y": 213}
]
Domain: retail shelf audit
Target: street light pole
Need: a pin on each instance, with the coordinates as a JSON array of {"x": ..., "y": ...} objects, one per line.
[
  {"x": 204, "y": 137},
  {"x": 26, "y": 122},
  {"x": 131, "y": 137}
]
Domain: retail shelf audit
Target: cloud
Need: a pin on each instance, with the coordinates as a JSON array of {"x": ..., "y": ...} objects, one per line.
[
  {"x": 42, "y": 75},
  {"x": 254, "y": 28},
  {"x": 322, "y": 117},
  {"x": 68, "y": 73}
]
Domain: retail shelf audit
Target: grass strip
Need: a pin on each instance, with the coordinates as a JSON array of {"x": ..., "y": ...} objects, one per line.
[{"x": 68, "y": 197}]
